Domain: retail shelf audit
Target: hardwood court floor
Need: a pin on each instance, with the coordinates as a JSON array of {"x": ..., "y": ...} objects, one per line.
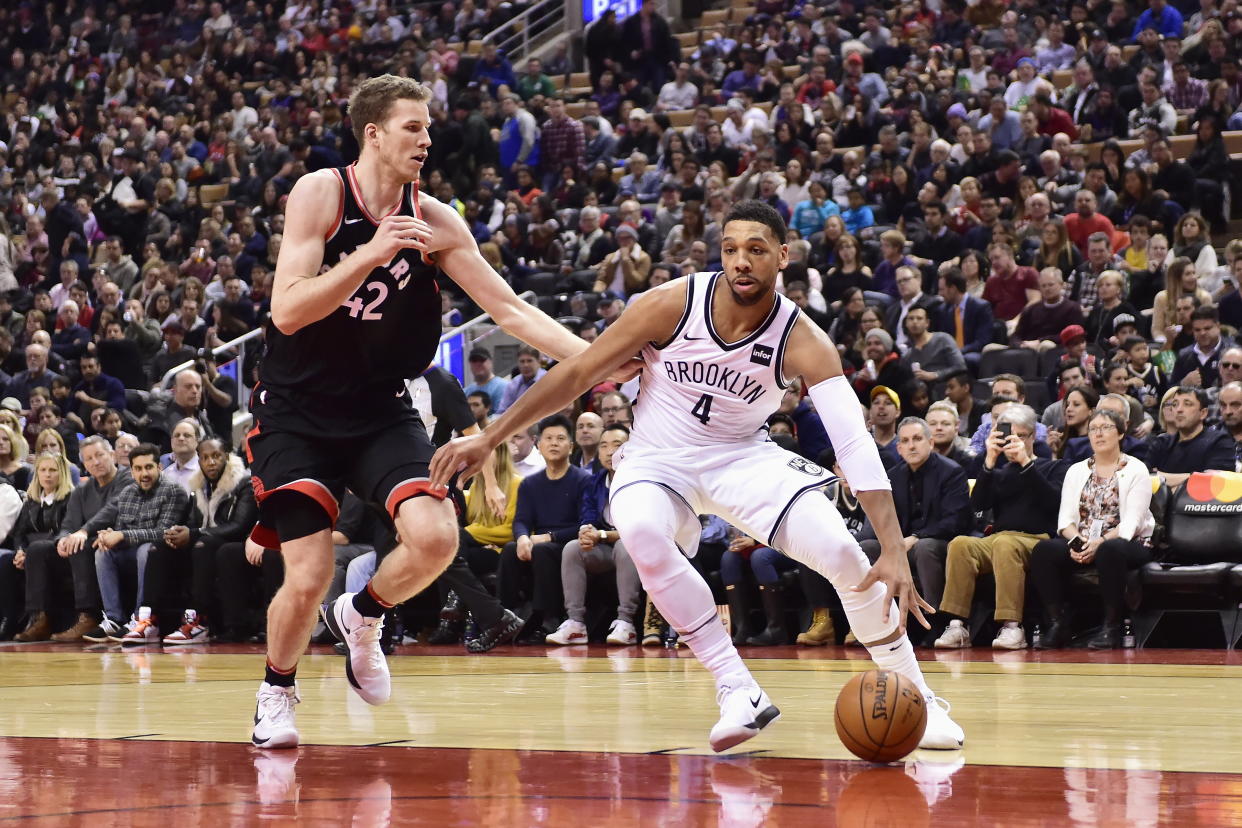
[{"x": 585, "y": 737}]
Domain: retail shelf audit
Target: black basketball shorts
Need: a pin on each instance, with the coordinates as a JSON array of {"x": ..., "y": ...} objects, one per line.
[{"x": 386, "y": 468}]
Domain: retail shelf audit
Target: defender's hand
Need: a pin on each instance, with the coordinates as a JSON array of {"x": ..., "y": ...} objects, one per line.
[{"x": 464, "y": 454}]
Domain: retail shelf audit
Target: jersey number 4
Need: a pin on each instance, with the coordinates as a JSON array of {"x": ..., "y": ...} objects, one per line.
[
  {"x": 703, "y": 408},
  {"x": 367, "y": 311}
]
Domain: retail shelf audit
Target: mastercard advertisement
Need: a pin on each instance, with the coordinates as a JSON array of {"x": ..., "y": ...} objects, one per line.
[{"x": 1213, "y": 493}]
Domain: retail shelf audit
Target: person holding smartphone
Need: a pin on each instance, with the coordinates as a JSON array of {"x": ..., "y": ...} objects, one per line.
[
  {"x": 1023, "y": 492},
  {"x": 1104, "y": 522}
]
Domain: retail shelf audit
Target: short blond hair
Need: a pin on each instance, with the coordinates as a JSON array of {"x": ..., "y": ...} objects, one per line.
[{"x": 374, "y": 97}]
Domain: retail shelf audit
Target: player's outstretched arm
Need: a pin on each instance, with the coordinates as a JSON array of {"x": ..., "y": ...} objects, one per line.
[
  {"x": 652, "y": 318},
  {"x": 458, "y": 254},
  {"x": 811, "y": 355},
  {"x": 301, "y": 294}
]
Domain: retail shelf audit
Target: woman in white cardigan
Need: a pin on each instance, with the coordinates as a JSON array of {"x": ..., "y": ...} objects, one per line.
[{"x": 1104, "y": 522}]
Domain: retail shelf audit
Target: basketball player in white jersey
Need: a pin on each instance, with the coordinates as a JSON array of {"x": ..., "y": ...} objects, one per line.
[{"x": 718, "y": 351}]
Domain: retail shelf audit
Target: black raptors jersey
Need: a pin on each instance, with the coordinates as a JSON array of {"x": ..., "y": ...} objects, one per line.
[{"x": 345, "y": 374}]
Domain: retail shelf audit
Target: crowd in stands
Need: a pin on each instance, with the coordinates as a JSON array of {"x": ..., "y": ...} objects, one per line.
[{"x": 1012, "y": 220}]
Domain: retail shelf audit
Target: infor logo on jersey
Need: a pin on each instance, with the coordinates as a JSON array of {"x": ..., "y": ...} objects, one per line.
[
  {"x": 806, "y": 466},
  {"x": 761, "y": 355}
]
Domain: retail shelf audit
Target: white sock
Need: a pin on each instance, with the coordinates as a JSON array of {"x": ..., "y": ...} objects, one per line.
[
  {"x": 898, "y": 656},
  {"x": 712, "y": 646}
]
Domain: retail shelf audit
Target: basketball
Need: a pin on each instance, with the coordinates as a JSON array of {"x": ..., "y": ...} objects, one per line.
[{"x": 880, "y": 716}]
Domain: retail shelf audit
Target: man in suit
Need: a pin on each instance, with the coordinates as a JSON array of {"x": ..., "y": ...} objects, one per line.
[
  {"x": 1199, "y": 364},
  {"x": 967, "y": 319},
  {"x": 933, "y": 505},
  {"x": 641, "y": 182},
  {"x": 910, "y": 295}
]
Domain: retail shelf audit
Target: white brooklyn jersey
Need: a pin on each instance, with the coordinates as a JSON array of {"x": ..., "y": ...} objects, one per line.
[{"x": 698, "y": 389}]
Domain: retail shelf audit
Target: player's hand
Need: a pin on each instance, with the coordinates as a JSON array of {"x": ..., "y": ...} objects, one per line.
[
  {"x": 397, "y": 233},
  {"x": 254, "y": 553},
  {"x": 893, "y": 570},
  {"x": 464, "y": 454},
  {"x": 71, "y": 544},
  {"x": 627, "y": 371}
]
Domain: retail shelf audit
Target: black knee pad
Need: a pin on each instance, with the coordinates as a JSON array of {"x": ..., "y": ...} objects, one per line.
[{"x": 296, "y": 515}]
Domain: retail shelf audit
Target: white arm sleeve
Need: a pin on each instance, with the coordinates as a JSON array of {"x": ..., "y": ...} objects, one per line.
[{"x": 838, "y": 408}]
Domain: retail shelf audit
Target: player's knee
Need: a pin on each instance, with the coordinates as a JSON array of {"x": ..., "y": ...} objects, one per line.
[{"x": 307, "y": 584}]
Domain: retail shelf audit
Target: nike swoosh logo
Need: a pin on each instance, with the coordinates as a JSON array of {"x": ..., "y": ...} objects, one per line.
[
  {"x": 755, "y": 702},
  {"x": 690, "y": 338},
  {"x": 352, "y": 221}
]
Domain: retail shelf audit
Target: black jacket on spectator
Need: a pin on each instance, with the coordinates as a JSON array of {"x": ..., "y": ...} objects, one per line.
[
  {"x": 1188, "y": 360},
  {"x": 945, "y": 511},
  {"x": 36, "y": 521},
  {"x": 230, "y": 505},
  {"x": 162, "y": 417},
  {"x": 977, "y": 324},
  {"x": 1022, "y": 498},
  {"x": 1211, "y": 448},
  {"x": 892, "y": 313}
]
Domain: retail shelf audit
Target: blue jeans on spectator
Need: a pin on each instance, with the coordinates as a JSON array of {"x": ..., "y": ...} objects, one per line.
[
  {"x": 108, "y": 566},
  {"x": 765, "y": 562},
  {"x": 360, "y": 571}
]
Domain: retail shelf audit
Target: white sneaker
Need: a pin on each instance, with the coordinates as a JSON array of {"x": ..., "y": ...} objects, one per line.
[
  {"x": 273, "y": 717},
  {"x": 623, "y": 633},
  {"x": 955, "y": 637},
  {"x": 744, "y": 711},
  {"x": 942, "y": 733},
  {"x": 1010, "y": 638},
  {"x": 569, "y": 632},
  {"x": 365, "y": 666}
]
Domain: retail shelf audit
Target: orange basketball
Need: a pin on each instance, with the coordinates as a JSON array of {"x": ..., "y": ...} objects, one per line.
[{"x": 880, "y": 716}]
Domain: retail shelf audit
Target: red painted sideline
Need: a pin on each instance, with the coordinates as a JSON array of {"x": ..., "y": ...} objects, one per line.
[{"x": 91, "y": 782}]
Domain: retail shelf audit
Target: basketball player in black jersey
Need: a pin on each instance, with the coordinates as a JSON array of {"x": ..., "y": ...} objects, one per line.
[{"x": 355, "y": 313}]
